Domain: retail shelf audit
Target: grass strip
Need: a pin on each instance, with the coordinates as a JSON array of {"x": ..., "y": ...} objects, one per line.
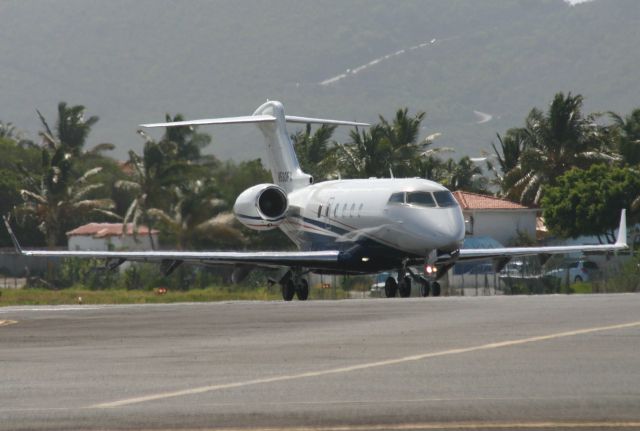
[{"x": 116, "y": 296}]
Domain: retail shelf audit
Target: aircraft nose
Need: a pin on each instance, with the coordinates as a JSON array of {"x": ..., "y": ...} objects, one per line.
[
  {"x": 449, "y": 227},
  {"x": 441, "y": 228}
]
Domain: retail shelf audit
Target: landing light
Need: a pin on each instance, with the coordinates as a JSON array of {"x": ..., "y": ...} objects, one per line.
[
  {"x": 429, "y": 269},
  {"x": 365, "y": 259}
]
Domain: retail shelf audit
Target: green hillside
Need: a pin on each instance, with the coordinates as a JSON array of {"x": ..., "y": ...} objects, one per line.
[{"x": 131, "y": 61}]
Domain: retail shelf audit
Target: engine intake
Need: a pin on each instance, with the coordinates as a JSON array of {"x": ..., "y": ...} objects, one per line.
[{"x": 261, "y": 207}]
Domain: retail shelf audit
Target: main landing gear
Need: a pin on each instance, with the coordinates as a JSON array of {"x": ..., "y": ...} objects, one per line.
[{"x": 294, "y": 285}]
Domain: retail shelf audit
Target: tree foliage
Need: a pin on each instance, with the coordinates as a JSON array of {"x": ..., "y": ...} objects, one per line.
[
  {"x": 172, "y": 184},
  {"x": 549, "y": 145},
  {"x": 588, "y": 202}
]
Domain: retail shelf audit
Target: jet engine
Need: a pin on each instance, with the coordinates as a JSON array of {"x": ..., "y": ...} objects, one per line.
[{"x": 261, "y": 207}]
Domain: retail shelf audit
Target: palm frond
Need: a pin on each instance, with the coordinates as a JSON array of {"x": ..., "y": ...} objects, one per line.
[
  {"x": 100, "y": 148},
  {"x": 90, "y": 173},
  {"x": 29, "y": 195},
  {"x": 90, "y": 204},
  {"x": 107, "y": 213},
  {"x": 81, "y": 193},
  {"x": 127, "y": 185}
]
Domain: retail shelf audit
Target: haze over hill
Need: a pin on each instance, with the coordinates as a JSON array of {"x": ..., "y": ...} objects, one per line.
[{"x": 476, "y": 68}]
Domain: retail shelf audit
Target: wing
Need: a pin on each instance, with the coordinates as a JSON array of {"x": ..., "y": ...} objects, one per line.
[
  {"x": 307, "y": 259},
  {"x": 509, "y": 252}
]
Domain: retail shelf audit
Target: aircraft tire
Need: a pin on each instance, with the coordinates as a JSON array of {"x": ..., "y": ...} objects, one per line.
[
  {"x": 435, "y": 287},
  {"x": 288, "y": 290},
  {"x": 405, "y": 288},
  {"x": 390, "y": 287},
  {"x": 302, "y": 290},
  {"x": 425, "y": 288}
]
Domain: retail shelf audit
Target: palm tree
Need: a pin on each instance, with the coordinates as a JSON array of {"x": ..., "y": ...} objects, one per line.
[
  {"x": 313, "y": 150},
  {"x": 385, "y": 148},
  {"x": 55, "y": 196},
  {"x": 10, "y": 132},
  {"x": 153, "y": 174},
  {"x": 364, "y": 156},
  {"x": 554, "y": 143},
  {"x": 463, "y": 175},
  {"x": 401, "y": 138},
  {"x": 627, "y": 136},
  {"x": 511, "y": 147},
  {"x": 189, "y": 142},
  {"x": 196, "y": 215},
  {"x": 72, "y": 130}
]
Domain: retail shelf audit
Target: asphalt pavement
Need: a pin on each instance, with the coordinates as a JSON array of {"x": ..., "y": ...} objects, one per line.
[{"x": 527, "y": 362}]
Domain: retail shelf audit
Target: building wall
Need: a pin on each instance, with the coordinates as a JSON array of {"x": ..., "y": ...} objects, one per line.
[
  {"x": 503, "y": 226},
  {"x": 86, "y": 242}
]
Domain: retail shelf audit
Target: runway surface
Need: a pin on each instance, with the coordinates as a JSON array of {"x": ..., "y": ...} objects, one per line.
[{"x": 538, "y": 362}]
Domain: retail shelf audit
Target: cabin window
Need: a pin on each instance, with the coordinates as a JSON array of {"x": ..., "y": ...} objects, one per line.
[
  {"x": 422, "y": 199},
  {"x": 397, "y": 198},
  {"x": 445, "y": 199},
  {"x": 319, "y": 210},
  {"x": 360, "y": 209},
  {"x": 353, "y": 208},
  {"x": 344, "y": 210},
  {"x": 326, "y": 213},
  {"x": 335, "y": 210}
]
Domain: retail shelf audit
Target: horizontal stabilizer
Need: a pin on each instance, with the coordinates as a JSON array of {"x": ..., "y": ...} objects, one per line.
[
  {"x": 226, "y": 120},
  {"x": 294, "y": 119},
  {"x": 253, "y": 119}
]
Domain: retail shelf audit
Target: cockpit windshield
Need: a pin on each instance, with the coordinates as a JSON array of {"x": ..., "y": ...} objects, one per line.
[
  {"x": 423, "y": 199},
  {"x": 445, "y": 199},
  {"x": 440, "y": 199},
  {"x": 397, "y": 198}
]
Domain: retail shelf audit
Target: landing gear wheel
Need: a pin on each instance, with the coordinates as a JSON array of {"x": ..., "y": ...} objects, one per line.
[
  {"x": 390, "y": 287},
  {"x": 435, "y": 286},
  {"x": 302, "y": 290},
  {"x": 288, "y": 290},
  {"x": 425, "y": 287},
  {"x": 405, "y": 287}
]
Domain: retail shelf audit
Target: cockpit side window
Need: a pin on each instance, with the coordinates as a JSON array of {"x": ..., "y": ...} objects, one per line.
[
  {"x": 422, "y": 199},
  {"x": 445, "y": 199},
  {"x": 397, "y": 198}
]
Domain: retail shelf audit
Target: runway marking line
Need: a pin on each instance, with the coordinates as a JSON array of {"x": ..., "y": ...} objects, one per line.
[
  {"x": 358, "y": 367},
  {"x": 8, "y": 322},
  {"x": 452, "y": 425}
]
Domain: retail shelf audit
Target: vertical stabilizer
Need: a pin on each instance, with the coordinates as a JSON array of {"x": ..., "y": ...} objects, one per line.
[
  {"x": 271, "y": 120},
  {"x": 283, "y": 162}
]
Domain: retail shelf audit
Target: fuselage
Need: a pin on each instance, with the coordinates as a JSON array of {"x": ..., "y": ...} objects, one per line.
[{"x": 377, "y": 223}]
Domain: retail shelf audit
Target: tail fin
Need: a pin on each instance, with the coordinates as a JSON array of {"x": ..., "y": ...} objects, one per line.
[
  {"x": 621, "y": 239},
  {"x": 271, "y": 121}
]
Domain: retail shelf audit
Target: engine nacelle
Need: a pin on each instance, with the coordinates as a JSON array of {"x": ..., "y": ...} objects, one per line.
[{"x": 261, "y": 207}]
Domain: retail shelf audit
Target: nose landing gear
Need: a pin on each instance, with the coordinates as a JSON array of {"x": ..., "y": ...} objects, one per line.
[
  {"x": 429, "y": 287},
  {"x": 405, "y": 276}
]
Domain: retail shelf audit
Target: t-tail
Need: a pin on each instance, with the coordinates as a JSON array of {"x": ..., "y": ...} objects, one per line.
[{"x": 271, "y": 119}]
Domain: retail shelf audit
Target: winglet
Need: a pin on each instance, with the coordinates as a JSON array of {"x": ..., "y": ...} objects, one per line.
[
  {"x": 16, "y": 244},
  {"x": 621, "y": 240}
]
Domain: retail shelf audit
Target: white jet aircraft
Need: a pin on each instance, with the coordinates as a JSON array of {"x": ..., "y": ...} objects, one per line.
[{"x": 341, "y": 227}]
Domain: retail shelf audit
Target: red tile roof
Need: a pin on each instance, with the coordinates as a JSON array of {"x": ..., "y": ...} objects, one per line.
[
  {"x": 474, "y": 201},
  {"x": 102, "y": 230}
]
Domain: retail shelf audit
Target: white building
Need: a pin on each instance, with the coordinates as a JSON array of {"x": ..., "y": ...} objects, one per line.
[
  {"x": 500, "y": 219},
  {"x": 109, "y": 236}
]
